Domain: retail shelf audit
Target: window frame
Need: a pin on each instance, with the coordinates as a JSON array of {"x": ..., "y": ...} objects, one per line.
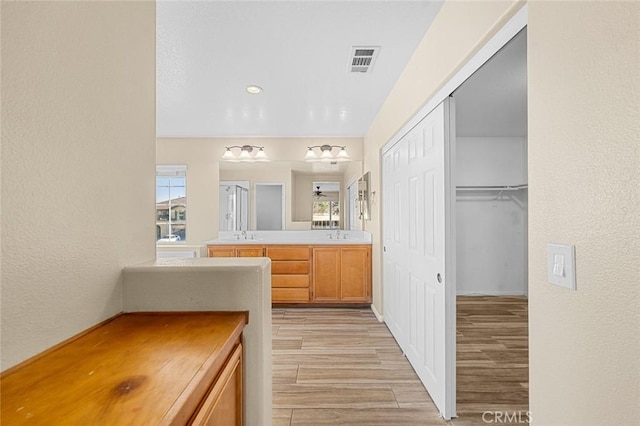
[
  {"x": 332, "y": 205},
  {"x": 169, "y": 171}
]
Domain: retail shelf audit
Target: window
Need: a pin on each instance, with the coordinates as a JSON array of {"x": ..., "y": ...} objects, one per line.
[
  {"x": 171, "y": 203},
  {"x": 326, "y": 215}
]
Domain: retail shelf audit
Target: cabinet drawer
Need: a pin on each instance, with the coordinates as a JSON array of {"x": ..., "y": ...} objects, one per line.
[
  {"x": 288, "y": 253},
  {"x": 290, "y": 281},
  {"x": 290, "y": 267},
  {"x": 221, "y": 252},
  {"x": 249, "y": 252},
  {"x": 289, "y": 295}
]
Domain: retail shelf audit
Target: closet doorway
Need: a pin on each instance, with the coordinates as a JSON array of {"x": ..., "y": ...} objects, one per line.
[
  {"x": 491, "y": 237},
  {"x": 474, "y": 373}
]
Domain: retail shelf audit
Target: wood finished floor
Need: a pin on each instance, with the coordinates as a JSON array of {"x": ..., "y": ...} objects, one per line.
[{"x": 343, "y": 367}]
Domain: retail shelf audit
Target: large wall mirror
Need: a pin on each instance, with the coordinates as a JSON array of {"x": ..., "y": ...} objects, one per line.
[{"x": 302, "y": 208}]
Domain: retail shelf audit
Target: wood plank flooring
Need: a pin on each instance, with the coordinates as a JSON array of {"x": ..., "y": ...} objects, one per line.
[
  {"x": 492, "y": 357},
  {"x": 343, "y": 367}
]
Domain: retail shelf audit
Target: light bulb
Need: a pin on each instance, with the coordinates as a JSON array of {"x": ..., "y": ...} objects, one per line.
[
  {"x": 228, "y": 155},
  {"x": 311, "y": 155},
  {"x": 244, "y": 155},
  {"x": 343, "y": 153},
  {"x": 253, "y": 89},
  {"x": 261, "y": 155},
  {"x": 326, "y": 154}
]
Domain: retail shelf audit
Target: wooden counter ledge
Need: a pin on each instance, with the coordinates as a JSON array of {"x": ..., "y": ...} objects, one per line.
[{"x": 138, "y": 368}]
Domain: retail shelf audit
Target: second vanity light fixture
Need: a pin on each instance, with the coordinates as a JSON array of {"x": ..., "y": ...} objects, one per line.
[
  {"x": 246, "y": 154},
  {"x": 326, "y": 154}
]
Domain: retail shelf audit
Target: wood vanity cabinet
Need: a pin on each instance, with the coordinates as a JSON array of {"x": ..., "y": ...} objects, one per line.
[
  {"x": 290, "y": 273},
  {"x": 341, "y": 274},
  {"x": 139, "y": 368},
  {"x": 311, "y": 273}
]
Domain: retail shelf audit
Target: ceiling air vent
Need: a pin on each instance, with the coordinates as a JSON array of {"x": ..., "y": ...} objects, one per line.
[{"x": 362, "y": 58}]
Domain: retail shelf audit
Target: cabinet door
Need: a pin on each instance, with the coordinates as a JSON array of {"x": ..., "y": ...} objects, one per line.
[
  {"x": 223, "y": 405},
  {"x": 249, "y": 251},
  {"x": 221, "y": 251},
  {"x": 354, "y": 274},
  {"x": 326, "y": 274}
]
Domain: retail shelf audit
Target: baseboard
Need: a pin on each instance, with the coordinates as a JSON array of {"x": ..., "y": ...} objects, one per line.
[
  {"x": 492, "y": 293},
  {"x": 376, "y": 313}
]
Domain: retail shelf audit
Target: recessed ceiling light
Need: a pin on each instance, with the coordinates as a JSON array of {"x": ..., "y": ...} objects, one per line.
[{"x": 254, "y": 90}]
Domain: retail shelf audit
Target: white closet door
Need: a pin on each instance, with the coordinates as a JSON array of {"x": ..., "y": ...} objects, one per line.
[
  {"x": 417, "y": 306},
  {"x": 395, "y": 291}
]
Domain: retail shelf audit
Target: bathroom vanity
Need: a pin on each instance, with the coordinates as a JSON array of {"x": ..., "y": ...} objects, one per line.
[{"x": 307, "y": 267}]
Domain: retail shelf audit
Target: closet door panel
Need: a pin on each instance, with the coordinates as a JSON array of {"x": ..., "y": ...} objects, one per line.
[
  {"x": 414, "y": 259},
  {"x": 396, "y": 231},
  {"x": 424, "y": 266}
]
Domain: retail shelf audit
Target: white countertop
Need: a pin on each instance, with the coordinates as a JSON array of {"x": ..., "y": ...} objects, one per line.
[
  {"x": 319, "y": 237},
  {"x": 200, "y": 264}
]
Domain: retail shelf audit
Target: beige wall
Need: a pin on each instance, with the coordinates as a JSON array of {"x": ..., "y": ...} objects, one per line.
[
  {"x": 202, "y": 157},
  {"x": 583, "y": 174},
  {"x": 584, "y": 183},
  {"x": 78, "y": 130}
]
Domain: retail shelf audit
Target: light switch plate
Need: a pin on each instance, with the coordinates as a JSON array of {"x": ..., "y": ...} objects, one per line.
[{"x": 561, "y": 265}]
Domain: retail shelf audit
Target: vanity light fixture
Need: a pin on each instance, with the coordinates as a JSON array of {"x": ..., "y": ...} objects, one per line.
[
  {"x": 246, "y": 154},
  {"x": 326, "y": 154}
]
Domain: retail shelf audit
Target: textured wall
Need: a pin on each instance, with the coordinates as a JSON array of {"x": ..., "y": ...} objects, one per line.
[
  {"x": 78, "y": 130},
  {"x": 584, "y": 175}
]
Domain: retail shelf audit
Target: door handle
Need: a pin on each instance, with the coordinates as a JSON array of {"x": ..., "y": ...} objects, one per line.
[{"x": 439, "y": 278}]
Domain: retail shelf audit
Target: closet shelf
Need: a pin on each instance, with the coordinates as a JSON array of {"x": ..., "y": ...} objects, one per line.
[{"x": 492, "y": 188}]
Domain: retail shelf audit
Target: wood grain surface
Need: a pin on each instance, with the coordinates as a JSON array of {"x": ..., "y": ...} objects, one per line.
[{"x": 142, "y": 368}]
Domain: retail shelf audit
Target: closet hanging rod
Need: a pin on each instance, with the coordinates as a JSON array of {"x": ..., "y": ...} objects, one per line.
[{"x": 492, "y": 188}]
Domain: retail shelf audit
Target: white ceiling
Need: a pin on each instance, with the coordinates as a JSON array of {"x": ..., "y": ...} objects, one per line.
[
  {"x": 493, "y": 101},
  {"x": 297, "y": 51}
]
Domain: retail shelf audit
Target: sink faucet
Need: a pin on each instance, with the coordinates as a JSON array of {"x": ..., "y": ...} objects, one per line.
[
  {"x": 337, "y": 234},
  {"x": 244, "y": 235}
]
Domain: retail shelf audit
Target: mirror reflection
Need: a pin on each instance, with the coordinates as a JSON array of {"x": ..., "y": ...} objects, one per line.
[
  {"x": 302, "y": 208},
  {"x": 326, "y": 205},
  {"x": 234, "y": 205}
]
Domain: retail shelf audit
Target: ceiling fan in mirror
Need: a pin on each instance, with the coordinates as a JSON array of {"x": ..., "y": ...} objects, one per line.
[{"x": 317, "y": 193}]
